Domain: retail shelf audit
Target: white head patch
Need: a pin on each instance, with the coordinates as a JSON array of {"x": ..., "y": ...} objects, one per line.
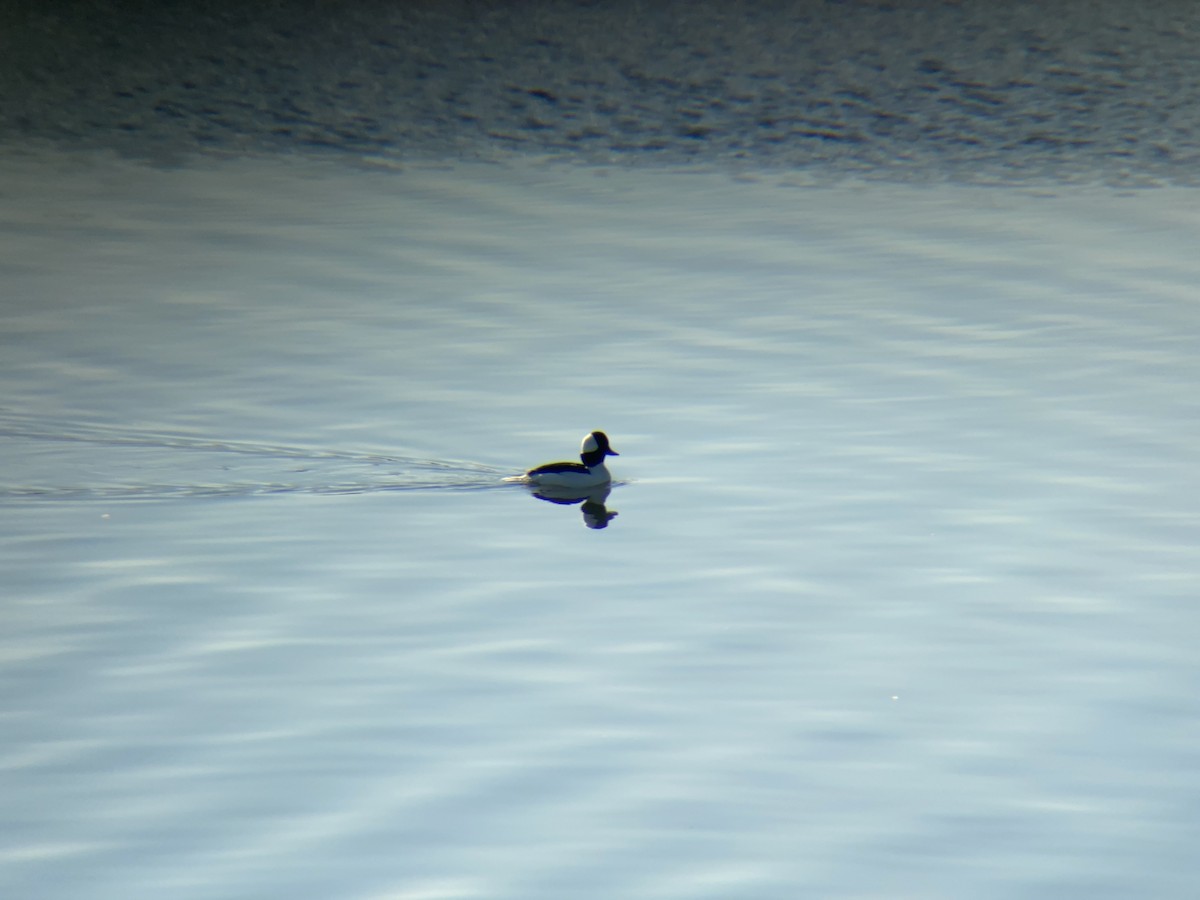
[{"x": 589, "y": 445}]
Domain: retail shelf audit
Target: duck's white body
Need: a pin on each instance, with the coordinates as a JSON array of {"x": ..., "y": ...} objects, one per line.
[{"x": 590, "y": 471}]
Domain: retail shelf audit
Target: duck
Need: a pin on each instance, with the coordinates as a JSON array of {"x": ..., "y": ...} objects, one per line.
[{"x": 589, "y": 472}]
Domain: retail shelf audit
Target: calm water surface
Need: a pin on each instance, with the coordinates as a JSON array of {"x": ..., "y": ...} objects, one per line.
[{"x": 899, "y": 600}]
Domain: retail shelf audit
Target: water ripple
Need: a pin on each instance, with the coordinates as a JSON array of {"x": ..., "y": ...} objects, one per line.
[{"x": 326, "y": 470}]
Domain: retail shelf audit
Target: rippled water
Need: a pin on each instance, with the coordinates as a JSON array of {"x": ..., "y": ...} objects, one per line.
[
  {"x": 898, "y": 599},
  {"x": 1099, "y": 90}
]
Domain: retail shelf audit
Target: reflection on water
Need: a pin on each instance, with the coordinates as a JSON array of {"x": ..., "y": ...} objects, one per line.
[{"x": 595, "y": 513}]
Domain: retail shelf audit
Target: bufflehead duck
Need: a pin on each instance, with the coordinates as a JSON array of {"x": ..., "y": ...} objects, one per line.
[{"x": 589, "y": 471}]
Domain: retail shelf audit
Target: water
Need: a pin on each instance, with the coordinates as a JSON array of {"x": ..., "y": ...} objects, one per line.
[
  {"x": 1100, "y": 91},
  {"x": 897, "y": 600},
  {"x": 895, "y": 597}
]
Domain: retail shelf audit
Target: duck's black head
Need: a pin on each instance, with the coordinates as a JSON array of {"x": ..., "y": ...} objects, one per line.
[{"x": 595, "y": 447}]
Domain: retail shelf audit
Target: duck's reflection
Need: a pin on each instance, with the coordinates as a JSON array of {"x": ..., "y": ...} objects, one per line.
[{"x": 595, "y": 513}]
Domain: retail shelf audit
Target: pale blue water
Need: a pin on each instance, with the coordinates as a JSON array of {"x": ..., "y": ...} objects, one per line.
[{"x": 899, "y": 600}]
